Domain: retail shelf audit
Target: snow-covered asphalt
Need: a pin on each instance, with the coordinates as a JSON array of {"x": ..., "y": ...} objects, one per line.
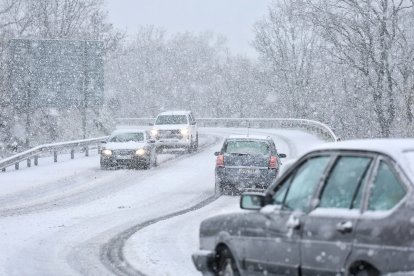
[{"x": 65, "y": 218}]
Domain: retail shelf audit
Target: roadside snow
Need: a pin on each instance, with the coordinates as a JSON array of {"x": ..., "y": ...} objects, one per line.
[
  {"x": 54, "y": 218},
  {"x": 165, "y": 248}
]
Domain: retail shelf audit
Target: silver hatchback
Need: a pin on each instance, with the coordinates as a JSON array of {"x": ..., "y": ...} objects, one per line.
[{"x": 342, "y": 209}]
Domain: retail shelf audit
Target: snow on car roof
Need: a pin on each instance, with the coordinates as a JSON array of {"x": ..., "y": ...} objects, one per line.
[
  {"x": 254, "y": 137},
  {"x": 175, "y": 112},
  {"x": 391, "y": 147}
]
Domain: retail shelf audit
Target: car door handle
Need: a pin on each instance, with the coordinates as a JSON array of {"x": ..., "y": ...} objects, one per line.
[{"x": 344, "y": 227}]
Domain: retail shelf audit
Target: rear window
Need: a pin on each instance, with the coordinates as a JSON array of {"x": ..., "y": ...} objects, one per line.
[
  {"x": 247, "y": 147},
  {"x": 127, "y": 137},
  {"x": 171, "y": 120}
]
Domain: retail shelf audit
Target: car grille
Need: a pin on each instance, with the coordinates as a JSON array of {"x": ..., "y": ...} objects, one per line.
[
  {"x": 174, "y": 133},
  {"x": 123, "y": 152}
]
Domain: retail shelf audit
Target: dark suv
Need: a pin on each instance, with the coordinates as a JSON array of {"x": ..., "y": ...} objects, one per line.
[
  {"x": 342, "y": 209},
  {"x": 246, "y": 162}
]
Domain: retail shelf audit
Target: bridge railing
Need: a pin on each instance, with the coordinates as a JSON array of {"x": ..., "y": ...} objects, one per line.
[
  {"x": 55, "y": 148},
  {"x": 315, "y": 127}
]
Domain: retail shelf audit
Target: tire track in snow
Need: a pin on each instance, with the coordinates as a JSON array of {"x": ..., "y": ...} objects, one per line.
[
  {"x": 101, "y": 187},
  {"x": 112, "y": 253}
]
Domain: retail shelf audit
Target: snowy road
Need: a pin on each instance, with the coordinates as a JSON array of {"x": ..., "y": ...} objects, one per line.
[{"x": 66, "y": 218}]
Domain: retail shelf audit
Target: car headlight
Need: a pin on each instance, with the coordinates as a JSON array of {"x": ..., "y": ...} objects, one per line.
[
  {"x": 140, "y": 152},
  {"x": 106, "y": 152},
  {"x": 184, "y": 131},
  {"x": 154, "y": 132}
]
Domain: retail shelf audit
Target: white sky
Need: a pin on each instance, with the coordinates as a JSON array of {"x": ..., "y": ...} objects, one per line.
[{"x": 232, "y": 18}]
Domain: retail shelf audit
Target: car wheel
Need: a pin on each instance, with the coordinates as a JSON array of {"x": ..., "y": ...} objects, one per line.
[
  {"x": 229, "y": 190},
  {"x": 218, "y": 188},
  {"x": 147, "y": 165},
  {"x": 362, "y": 269},
  {"x": 107, "y": 165},
  {"x": 226, "y": 264},
  {"x": 155, "y": 164},
  {"x": 195, "y": 146},
  {"x": 367, "y": 272}
]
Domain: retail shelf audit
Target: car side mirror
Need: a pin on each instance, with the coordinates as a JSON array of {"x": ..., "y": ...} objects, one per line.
[
  {"x": 217, "y": 153},
  {"x": 151, "y": 141},
  {"x": 103, "y": 142},
  {"x": 282, "y": 155},
  {"x": 193, "y": 123},
  {"x": 252, "y": 201}
]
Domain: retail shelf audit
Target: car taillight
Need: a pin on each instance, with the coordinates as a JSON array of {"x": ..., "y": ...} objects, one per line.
[
  {"x": 273, "y": 164},
  {"x": 220, "y": 160}
]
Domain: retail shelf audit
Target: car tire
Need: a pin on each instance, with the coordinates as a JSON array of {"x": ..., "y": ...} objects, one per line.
[
  {"x": 195, "y": 146},
  {"x": 226, "y": 265},
  {"x": 218, "y": 188},
  {"x": 155, "y": 163},
  {"x": 190, "y": 148},
  {"x": 362, "y": 269},
  {"x": 147, "y": 165},
  {"x": 106, "y": 165}
]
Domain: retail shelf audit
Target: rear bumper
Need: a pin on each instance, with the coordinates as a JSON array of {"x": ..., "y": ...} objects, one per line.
[
  {"x": 204, "y": 261},
  {"x": 245, "y": 183}
]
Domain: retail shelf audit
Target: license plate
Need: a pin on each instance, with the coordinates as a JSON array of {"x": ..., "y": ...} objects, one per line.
[
  {"x": 247, "y": 171},
  {"x": 123, "y": 157}
]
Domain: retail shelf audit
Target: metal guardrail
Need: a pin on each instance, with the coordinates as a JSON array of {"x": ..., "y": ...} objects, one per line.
[
  {"x": 48, "y": 148},
  {"x": 315, "y": 127},
  {"x": 312, "y": 126}
]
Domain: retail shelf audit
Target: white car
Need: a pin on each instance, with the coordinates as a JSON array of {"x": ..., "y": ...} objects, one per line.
[
  {"x": 175, "y": 129},
  {"x": 129, "y": 147}
]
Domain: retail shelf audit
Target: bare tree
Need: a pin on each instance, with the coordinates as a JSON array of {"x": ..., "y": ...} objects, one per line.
[
  {"x": 288, "y": 45},
  {"x": 367, "y": 35}
]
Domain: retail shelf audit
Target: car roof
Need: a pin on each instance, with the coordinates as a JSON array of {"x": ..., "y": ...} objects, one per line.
[
  {"x": 249, "y": 137},
  {"x": 175, "y": 112},
  {"x": 394, "y": 148}
]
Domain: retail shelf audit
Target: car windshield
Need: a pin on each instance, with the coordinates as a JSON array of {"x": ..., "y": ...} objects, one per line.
[
  {"x": 127, "y": 137},
  {"x": 247, "y": 147},
  {"x": 171, "y": 120}
]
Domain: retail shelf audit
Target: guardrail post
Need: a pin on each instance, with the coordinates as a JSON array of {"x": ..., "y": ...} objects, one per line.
[
  {"x": 29, "y": 162},
  {"x": 55, "y": 156},
  {"x": 86, "y": 151},
  {"x": 72, "y": 153},
  {"x": 99, "y": 148},
  {"x": 3, "y": 170},
  {"x": 16, "y": 166},
  {"x": 36, "y": 160}
]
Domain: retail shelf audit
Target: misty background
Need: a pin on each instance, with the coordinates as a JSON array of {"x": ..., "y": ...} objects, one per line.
[{"x": 346, "y": 63}]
